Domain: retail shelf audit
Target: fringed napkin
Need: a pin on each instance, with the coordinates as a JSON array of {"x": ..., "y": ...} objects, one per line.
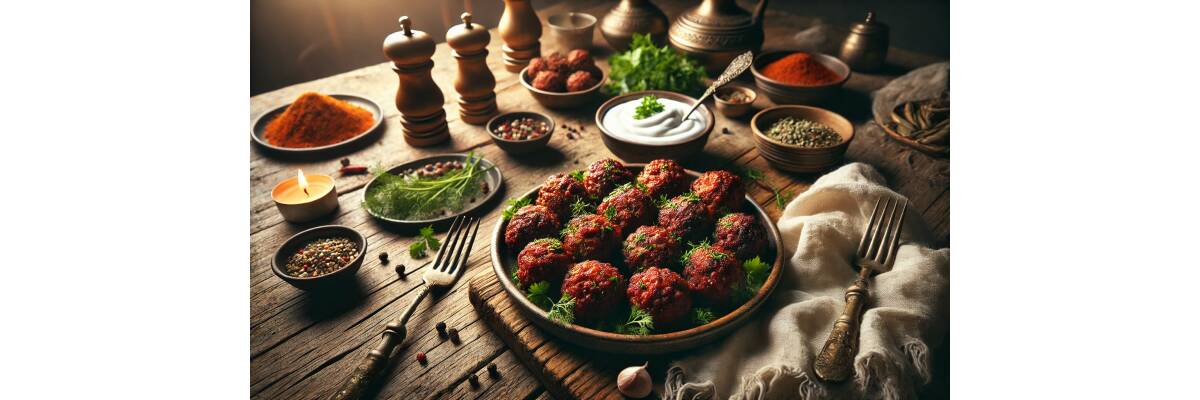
[{"x": 771, "y": 357}]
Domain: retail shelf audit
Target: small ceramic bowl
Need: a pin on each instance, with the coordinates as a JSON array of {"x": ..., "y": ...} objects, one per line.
[
  {"x": 297, "y": 241},
  {"x": 794, "y": 158},
  {"x": 731, "y": 109},
  {"x": 563, "y": 100},
  {"x": 639, "y": 152},
  {"x": 572, "y": 30},
  {"x": 786, "y": 93},
  {"x": 520, "y": 146}
]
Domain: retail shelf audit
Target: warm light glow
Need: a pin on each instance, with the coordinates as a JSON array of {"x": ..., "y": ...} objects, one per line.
[{"x": 303, "y": 183}]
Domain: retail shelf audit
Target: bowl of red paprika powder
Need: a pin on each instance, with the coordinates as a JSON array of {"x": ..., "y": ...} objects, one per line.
[{"x": 797, "y": 77}]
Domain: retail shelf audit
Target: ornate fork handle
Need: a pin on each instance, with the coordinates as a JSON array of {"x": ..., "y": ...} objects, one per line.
[
  {"x": 372, "y": 366},
  {"x": 835, "y": 362}
]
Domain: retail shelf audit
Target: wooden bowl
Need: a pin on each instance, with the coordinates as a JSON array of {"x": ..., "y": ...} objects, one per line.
[
  {"x": 504, "y": 261},
  {"x": 794, "y": 158},
  {"x": 786, "y": 93},
  {"x": 562, "y": 100},
  {"x": 731, "y": 109},
  {"x": 640, "y": 153},
  {"x": 517, "y": 147},
  {"x": 289, "y": 247}
]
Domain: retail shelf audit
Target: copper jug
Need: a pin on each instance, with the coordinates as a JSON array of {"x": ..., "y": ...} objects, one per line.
[
  {"x": 716, "y": 31},
  {"x": 630, "y": 17}
]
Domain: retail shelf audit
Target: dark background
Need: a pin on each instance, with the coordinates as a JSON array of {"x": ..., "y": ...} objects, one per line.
[{"x": 293, "y": 41}]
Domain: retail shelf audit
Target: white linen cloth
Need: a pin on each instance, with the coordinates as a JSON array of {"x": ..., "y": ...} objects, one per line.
[{"x": 771, "y": 356}]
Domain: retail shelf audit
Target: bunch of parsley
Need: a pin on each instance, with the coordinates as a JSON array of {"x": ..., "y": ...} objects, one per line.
[{"x": 647, "y": 67}]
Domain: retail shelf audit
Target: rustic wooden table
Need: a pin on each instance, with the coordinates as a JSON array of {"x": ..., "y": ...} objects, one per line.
[{"x": 303, "y": 344}]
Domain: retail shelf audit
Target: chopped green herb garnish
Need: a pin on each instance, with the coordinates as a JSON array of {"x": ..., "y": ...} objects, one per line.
[
  {"x": 514, "y": 205},
  {"x": 539, "y": 294},
  {"x": 578, "y": 175},
  {"x": 610, "y": 212},
  {"x": 701, "y": 315},
  {"x": 640, "y": 322},
  {"x": 648, "y": 107},
  {"x": 581, "y": 207}
]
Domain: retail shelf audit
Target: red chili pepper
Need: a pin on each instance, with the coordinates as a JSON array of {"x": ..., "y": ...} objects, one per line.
[{"x": 353, "y": 170}]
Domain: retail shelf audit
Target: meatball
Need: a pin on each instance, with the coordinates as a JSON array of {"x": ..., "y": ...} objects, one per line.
[
  {"x": 549, "y": 81},
  {"x": 685, "y": 216},
  {"x": 556, "y": 62},
  {"x": 580, "y": 80},
  {"x": 662, "y": 293},
  {"x": 529, "y": 223},
  {"x": 719, "y": 191},
  {"x": 543, "y": 260},
  {"x": 663, "y": 178},
  {"x": 741, "y": 234},
  {"x": 627, "y": 207},
  {"x": 605, "y": 175},
  {"x": 597, "y": 288},
  {"x": 712, "y": 273},
  {"x": 650, "y": 246},
  {"x": 590, "y": 237},
  {"x": 536, "y": 65},
  {"x": 559, "y": 192},
  {"x": 579, "y": 59}
]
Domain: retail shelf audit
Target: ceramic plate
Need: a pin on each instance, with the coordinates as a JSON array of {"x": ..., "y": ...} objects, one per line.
[
  {"x": 492, "y": 177},
  {"x": 260, "y": 125}
]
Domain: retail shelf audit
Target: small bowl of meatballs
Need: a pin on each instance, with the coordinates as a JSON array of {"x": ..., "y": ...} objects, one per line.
[
  {"x": 639, "y": 258},
  {"x": 564, "y": 82}
]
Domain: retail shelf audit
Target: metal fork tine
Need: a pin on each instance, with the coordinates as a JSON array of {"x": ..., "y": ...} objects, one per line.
[
  {"x": 862, "y": 244},
  {"x": 449, "y": 236},
  {"x": 893, "y": 244},
  {"x": 466, "y": 250},
  {"x": 458, "y": 245},
  {"x": 451, "y": 244},
  {"x": 876, "y": 236},
  {"x": 885, "y": 228}
]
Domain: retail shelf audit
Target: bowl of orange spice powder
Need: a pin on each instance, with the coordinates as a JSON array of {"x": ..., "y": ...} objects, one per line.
[
  {"x": 797, "y": 77},
  {"x": 317, "y": 124}
]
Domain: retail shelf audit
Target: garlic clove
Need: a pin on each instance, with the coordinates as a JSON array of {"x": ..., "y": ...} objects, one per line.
[{"x": 635, "y": 381}]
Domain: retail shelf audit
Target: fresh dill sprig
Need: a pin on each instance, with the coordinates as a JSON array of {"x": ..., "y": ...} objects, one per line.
[
  {"x": 640, "y": 322},
  {"x": 426, "y": 241},
  {"x": 702, "y": 315},
  {"x": 581, "y": 207},
  {"x": 410, "y": 196},
  {"x": 759, "y": 178},
  {"x": 563, "y": 311}
]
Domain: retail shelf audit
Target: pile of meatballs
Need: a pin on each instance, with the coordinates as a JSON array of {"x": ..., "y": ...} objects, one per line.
[
  {"x": 555, "y": 73},
  {"x": 655, "y": 241}
]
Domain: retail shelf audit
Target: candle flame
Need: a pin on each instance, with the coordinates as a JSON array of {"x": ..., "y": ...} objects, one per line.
[{"x": 302, "y": 182}]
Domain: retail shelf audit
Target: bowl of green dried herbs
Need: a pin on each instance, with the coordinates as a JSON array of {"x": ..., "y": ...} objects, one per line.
[
  {"x": 801, "y": 138},
  {"x": 319, "y": 256}
]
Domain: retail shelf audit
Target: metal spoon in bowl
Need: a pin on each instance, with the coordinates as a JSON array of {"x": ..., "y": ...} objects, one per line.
[{"x": 735, "y": 68}]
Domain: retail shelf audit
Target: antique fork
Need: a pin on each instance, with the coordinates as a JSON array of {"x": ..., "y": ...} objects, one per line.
[
  {"x": 877, "y": 249},
  {"x": 447, "y": 266}
]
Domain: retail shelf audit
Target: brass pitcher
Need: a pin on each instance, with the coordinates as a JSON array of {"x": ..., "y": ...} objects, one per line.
[{"x": 716, "y": 31}]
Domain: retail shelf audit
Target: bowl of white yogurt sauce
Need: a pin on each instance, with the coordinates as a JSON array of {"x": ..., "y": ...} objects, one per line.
[{"x": 664, "y": 134}]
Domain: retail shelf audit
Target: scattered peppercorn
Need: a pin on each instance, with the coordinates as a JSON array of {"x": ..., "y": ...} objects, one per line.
[
  {"x": 421, "y": 357},
  {"x": 453, "y": 335},
  {"x": 441, "y": 329},
  {"x": 474, "y": 380},
  {"x": 725, "y": 130},
  {"x": 492, "y": 370},
  {"x": 400, "y": 270},
  {"x": 345, "y": 162},
  {"x": 383, "y": 256}
]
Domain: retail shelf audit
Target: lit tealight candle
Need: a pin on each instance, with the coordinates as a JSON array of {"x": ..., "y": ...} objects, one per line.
[{"x": 305, "y": 197}]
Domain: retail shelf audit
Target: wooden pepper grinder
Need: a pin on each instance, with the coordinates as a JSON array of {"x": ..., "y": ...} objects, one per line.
[
  {"x": 475, "y": 84},
  {"x": 419, "y": 99},
  {"x": 521, "y": 30}
]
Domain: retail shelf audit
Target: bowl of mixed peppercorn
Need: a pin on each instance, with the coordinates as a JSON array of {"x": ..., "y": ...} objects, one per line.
[
  {"x": 320, "y": 256},
  {"x": 801, "y": 138},
  {"x": 521, "y": 132}
]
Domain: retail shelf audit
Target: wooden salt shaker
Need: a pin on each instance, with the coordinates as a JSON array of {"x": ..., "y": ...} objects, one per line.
[
  {"x": 521, "y": 30},
  {"x": 419, "y": 99},
  {"x": 475, "y": 83}
]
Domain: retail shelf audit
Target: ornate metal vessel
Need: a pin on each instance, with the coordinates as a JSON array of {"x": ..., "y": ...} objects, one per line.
[
  {"x": 716, "y": 31},
  {"x": 633, "y": 16}
]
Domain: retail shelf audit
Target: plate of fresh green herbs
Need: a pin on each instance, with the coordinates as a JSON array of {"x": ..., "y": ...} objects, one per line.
[{"x": 401, "y": 195}]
